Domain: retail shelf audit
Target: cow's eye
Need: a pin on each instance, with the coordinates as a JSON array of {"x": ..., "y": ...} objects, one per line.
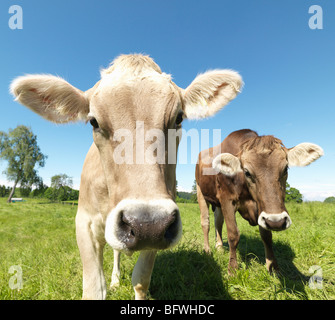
[
  {"x": 285, "y": 172},
  {"x": 94, "y": 123},
  {"x": 179, "y": 118},
  {"x": 247, "y": 173}
]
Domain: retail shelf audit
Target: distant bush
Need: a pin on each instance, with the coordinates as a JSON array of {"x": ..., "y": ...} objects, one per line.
[
  {"x": 183, "y": 200},
  {"x": 292, "y": 194},
  {"x": 39, "y": 191},
  {"x": 329, "y": 200}
]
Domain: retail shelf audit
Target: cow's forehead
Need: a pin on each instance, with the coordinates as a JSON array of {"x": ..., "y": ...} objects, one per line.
[
  {"x": 121, "y": 76},
  {"x": 258, "y": 160},
  {"x": 119, "y": 81},
  {"x": 123, "y": 95}
]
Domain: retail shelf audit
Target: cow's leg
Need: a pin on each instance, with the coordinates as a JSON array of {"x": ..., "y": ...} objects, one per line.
[
  {"x": 233, "y": 234},
  {"x": 91, "y": 252},
  {"x": 142, "y": 273},
  {"x": 116, "y": 270},
  {"x": 204, "y": 216},
  {"x": 218, "y": 227},
  {"x": 271, "y": 262}
]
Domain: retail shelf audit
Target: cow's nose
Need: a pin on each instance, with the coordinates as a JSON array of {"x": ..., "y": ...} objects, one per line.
[
  {"x": 274, "y": 221},
  {"x": 143, "y": 225},
  {"x": 141, "y": 231},
  {"x": 275, "y": 225}
]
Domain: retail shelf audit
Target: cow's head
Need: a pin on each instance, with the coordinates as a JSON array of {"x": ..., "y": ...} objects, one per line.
[
  {"x": 131, "y": 110},
  {"x": 264, "y": 162}
]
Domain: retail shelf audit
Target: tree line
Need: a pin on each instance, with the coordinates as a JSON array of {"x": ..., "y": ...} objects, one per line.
[
  {"x": 291, "y": 195},
  {"x": 53, "y": 193}
]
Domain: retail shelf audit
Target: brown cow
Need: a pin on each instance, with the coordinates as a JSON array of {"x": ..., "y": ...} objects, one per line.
[
  {"x": 127, "y": 195},
  {"x": 248, "y": 173}
]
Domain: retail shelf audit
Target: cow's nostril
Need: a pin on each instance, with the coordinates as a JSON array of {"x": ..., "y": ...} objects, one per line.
[
  {"x": 172, "y": 230},
  {"x": 126, "y": 226},
  {"x": 122, "y": 218}
]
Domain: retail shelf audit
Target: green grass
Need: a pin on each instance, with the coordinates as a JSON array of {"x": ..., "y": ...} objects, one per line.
[{"x": 39, "y": 237}]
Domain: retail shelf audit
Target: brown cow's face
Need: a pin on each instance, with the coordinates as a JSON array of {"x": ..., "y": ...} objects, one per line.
[
  {"x": 266, "y": 175},
  {"x": 264, "y": 163}
]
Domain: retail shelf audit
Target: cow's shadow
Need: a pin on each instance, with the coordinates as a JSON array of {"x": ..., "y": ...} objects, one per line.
[
  {"x": 187, "y": 275},
  {"x": 175, "y": 271},
  {"x": 290, "y": 276}
]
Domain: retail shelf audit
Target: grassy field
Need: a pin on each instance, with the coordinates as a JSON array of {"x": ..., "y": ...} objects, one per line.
[{"x": 39, "y": 237}]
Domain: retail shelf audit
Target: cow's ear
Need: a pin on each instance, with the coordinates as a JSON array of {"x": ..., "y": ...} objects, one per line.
[
  {"x": 303, "y": 154},
  {"x": 227, "y": 164},
  {"x": 210, "y": 92},
  {"x": 51, "y": 97}
]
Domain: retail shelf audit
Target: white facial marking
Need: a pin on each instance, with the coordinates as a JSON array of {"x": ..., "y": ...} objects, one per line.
[{"x": 274, "y": 217}]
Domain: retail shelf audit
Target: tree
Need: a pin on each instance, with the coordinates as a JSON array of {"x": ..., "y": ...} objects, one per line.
[
  {"x": 329, "y": 200},
  {"x": 194, "y": 197},
  {"x": 50, "y": 194},
  {"x": 292, "y": 194},
  {"x": 62, "y": 186},
  {"x": 19, "y": 148},
  {"x": 39, "y": 190}
]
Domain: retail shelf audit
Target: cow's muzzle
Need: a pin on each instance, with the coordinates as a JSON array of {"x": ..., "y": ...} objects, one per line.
[
  {"x": 143, "y": 225},
  {"x": 274, "y": 221}
]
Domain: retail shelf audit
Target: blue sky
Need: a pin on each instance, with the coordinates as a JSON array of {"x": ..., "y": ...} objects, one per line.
[{"x": 288, "y": 69}]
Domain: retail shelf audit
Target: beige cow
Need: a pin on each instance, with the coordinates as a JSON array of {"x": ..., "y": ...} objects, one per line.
[{"x": 125, "y": 200}]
